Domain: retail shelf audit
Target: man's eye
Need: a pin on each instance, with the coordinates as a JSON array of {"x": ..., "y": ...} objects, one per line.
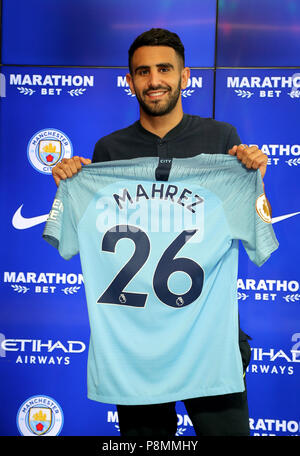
[
  {"x": 143, "y": 72},
  {"x": 164, "y": 69}
]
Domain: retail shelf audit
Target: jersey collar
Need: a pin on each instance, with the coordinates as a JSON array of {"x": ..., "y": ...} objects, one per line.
[{"x": 172, "y": 134}]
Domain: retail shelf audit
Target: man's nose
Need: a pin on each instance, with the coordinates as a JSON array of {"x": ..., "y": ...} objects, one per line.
[{"x": 154, "y": 78}]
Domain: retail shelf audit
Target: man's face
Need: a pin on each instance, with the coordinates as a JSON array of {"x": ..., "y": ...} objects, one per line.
[{"x": 157, "y": 79}]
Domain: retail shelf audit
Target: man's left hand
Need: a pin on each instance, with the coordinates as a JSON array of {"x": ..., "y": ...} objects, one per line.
[{"x": 252, "y": 157}]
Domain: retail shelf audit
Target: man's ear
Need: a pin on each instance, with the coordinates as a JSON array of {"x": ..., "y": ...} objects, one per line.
[
  {"x": 185, "y": 75},
  {"x": 130, "y": 83}
]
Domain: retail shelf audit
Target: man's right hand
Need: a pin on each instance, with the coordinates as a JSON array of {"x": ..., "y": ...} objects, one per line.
[{"x": 68, "y": 167}]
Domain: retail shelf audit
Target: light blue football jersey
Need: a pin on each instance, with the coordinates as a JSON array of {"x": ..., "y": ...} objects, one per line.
[{"x": 159, "y": 256}]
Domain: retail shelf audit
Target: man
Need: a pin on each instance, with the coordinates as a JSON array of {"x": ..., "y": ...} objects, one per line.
[{"x": 157, "y": 76}]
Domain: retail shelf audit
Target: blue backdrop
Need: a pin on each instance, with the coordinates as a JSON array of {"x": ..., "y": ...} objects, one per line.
[{"x": 63, "y": 84}]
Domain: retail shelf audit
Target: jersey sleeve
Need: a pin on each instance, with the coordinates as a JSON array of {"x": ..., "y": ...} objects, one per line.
[
  {"x": 61, "y": 228},
  {"x": 250, "y": 218}
]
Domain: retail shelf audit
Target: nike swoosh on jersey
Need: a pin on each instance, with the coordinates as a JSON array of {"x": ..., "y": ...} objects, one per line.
[
  {"x": 283, "y": 217},
  {"x": 21, "y": 223}
]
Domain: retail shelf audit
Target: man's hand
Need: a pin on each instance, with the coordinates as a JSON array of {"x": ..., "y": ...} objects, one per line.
[
  {"x": 68, "y": 167},
  {"x": 252, "y": 157}
]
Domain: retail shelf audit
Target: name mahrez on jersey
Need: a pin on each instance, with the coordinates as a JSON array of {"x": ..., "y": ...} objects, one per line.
[
  {"x": 156, "y": 207},
  {"x": 159, "y": 191}
]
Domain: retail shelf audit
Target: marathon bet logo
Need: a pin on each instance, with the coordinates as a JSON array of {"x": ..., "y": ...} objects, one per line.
[
  {"x": 273, "y": 427},
  {"x": 268, "y": 290},
  {"x": 265, "y": 87},
  {"x": 289, "y": 154},
  {"x": 184, "y": 423},
  {"x": 51, "y": 84},
  {"x": 43, "y": 282},
  {"x": 194, "y": 83}
]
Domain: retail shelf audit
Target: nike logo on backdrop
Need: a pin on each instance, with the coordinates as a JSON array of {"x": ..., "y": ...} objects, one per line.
[
  {"x": 21, "y": 223},
  {"x": 283, "y": 217}
]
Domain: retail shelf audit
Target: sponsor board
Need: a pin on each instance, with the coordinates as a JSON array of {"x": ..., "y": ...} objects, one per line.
[
  {"x": 281, "y": 154},
  {"x": 274, "y": 426},
  {"x": 268, "y": 290},
  {"x": 41, "y": 352},
  {"x": 265, "y": 86},
  {"x": 274, "y": 360},
  {"x": 43, "y": 282},
  {"x": 70, "y": 283},
  {"x": 258, "y": 426},
  {"x": 184, "y": 423},
  {"x": 51, "y": 84}
]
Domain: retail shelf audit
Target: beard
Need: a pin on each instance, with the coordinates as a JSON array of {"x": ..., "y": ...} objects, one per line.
[{"x": 157, "y": 108}]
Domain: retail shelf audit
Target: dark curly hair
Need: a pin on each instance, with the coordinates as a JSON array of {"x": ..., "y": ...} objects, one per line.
[{"x": 157, "y": 37}]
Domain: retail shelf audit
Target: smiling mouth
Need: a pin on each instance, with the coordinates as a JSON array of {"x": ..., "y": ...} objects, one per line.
[{"x": 156, "y": 93}]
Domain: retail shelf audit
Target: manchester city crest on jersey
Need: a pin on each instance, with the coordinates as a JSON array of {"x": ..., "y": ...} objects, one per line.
[
  {"x": 40, "y": 415},
  {"x": 48, "y": 147}
]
